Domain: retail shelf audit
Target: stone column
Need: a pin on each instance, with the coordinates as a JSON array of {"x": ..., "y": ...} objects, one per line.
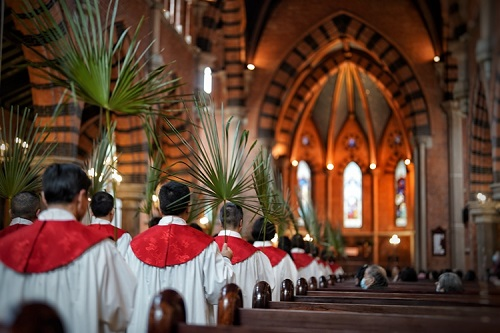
[
  {"x": 487, "y": 219},
  {"x": 456, "y": 166},
  {"x": 422, "y": 142},
  {"x": 375, "y": 207}
]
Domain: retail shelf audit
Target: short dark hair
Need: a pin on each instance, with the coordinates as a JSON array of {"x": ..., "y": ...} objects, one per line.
[
  {"x": 61, "y": 183},
  {"x": 231, "y": 214},
  {"x": 261, "y": 232},
  {"x": 102, "y": 204},
  {"x": 298, "y": 241},
  {"x": 154, "y": 221},
  {"x": 174, "y": 198},
  {"x": 25, "y": 205}
]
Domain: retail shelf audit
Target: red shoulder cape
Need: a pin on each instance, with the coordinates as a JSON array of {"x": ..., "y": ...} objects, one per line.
[
  {"x": 274, "y": 254},
  {"x": 169, "y": 245},
  {"x": 11, "y": 228},
  {"x": 45, "y": 246},
  {"x": 109, "y": 230},
  {"x": 241, "y": 248},
  {"x": 302, "y": 259}
]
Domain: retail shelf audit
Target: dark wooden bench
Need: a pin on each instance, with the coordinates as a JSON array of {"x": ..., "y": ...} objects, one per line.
[{"x": 233, "y": 318}]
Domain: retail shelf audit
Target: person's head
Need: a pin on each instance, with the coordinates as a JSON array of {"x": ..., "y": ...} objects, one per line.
[
  {"x": 374, "y": 278},
  {"x": 261, "y": 231},
  {"x": 102, "y": 205},
  {"x": 66, "y": 186},
  {"x": 449, "y": 282},
  {"x": 154, "y": 221},
  {"x": 408, "y": 274},
  {"x": 470, "y": 275},
  {"x": 174, "y": 198},
  {"x": 195, "y": 226},
  {"x": 359, "y": 275},
  {"x": 298, "y": 241},
  {"x": 231, "y": 216},
  {"x": 285, "y": 244},
  {"x": 25, "y": 205}
]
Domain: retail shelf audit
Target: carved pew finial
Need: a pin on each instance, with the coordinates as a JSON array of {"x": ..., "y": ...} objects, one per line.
[
  {"x": 230, "y": 301},
  {"x": 301, "y": 287},
  {"x": 313, "y": 283},
  {"x": 286, "y": 292},
  {"x": 37, "y": 317},
  {"x": 323, "y": 283},
  {"x": 167, "y": 310},
  {"x": 261, "y": 295}
]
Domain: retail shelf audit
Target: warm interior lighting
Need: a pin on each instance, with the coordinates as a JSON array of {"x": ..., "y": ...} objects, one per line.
[
  {"x": 437, "y": 59},
  {"x": 308, "y": 238},
  {"x": 481, "y": 197},
  {"x": 329, "y": 166},
  {"x": 395, "y": 240},
  {"x": 295, "y": 163},
  {"x": 373, "y": 166},
  {"x": 407, "y": 161},
  {"x": 251, "y": 67},
  {"x": 275, "y": 240},
  {"x": 154, "y": 198},
  {"x": 204, "y": 220}
]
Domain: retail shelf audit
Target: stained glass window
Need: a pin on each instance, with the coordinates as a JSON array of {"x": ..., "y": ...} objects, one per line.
[
  {"x": 353, "y": 196},
  {"x": 400, "y": 197},
  {"x": 304, "y": 182}
]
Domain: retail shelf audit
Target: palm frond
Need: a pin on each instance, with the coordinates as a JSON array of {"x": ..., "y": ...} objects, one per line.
[
  {"x": 101, "y": 164},
  {"x": 310, "y": 218},
  {"x": 23, "y": 149},
  {"x": 83, "y": 61},
  {"x": 216, "y": 165},
  {"x": 274, "y": 207},
  {"x": 333, "y": 239}
]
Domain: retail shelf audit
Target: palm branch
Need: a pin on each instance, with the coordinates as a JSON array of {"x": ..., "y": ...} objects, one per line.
[
  {"x": 101, "y": 165},
  {"x": 23, "y": 148},
  {"x": 216, "y": 165},
  {"x": 271, "y": 200},
  {"x": 310, "y": 218},
  {"x": 156, "y": 161},
  {"x": 333, "y": 239},
  {"x": 83, "y": 62}
]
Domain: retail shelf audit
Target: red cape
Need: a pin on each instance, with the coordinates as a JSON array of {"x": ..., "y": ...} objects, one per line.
[
  {"x": 274, "y": 254},
  {"x": 45, "y": 246},
  {"x": 302, "y": 259},
  {"x": 241, "y": 248},
  {"x": 11, "y": 228},
  {"x": 169, "y": 245},
  {"x": 109, "y": 230}
]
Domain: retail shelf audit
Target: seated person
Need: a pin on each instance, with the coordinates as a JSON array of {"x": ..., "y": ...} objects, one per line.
[
  {"x": 449, "y": 283},
  {"x": 374, "y": 277}
]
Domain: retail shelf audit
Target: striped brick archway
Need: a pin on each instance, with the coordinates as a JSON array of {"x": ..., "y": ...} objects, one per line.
[{"x": 377, "y": 56}]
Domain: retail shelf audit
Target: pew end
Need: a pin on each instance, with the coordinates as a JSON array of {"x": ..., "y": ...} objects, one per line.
[
  {"x": 166, "y": 312},
  {"x": 286, "y": 291},
  {"x": 230, "y": 301},
  {"x": 262, "y": 295}
]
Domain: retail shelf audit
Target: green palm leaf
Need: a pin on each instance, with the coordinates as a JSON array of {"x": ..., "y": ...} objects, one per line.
[
  {"x": 310, "y": 218},
  {"x": 216, "y": 165},
  {"x": 333, "y": 239},
  {"x": 101, "y": 164},
  {"x": 83, "y": 62},
  {"x": 23, "y": 150}
]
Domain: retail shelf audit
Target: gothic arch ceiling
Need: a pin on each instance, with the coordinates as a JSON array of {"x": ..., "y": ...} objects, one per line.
[{"x": 343, "y": 37}]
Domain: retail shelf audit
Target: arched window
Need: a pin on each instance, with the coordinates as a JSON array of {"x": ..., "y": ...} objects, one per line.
[
  {"x": 400, "y": 197},
  {"x": 304, "y": 182},
  {"x": 353, "y": 196},
  {"x": 207, "y": 80}
]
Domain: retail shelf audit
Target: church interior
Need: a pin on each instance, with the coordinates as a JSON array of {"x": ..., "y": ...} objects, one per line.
[{"x": 385, "y": 116}]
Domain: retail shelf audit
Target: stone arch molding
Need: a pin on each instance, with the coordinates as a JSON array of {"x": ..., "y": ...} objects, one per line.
[{"x": 293, "y": 83}]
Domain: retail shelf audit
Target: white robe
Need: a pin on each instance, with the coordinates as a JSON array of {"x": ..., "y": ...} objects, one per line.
[
  {"x": 285, "y": 269},
  {"x": 199, "y": 282},
  {"x": 310, "y": 270},
  {"x": 122, "y": 243},
  {"x": 94, "y": 293},
  {"x": 250, "y": 271}
]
